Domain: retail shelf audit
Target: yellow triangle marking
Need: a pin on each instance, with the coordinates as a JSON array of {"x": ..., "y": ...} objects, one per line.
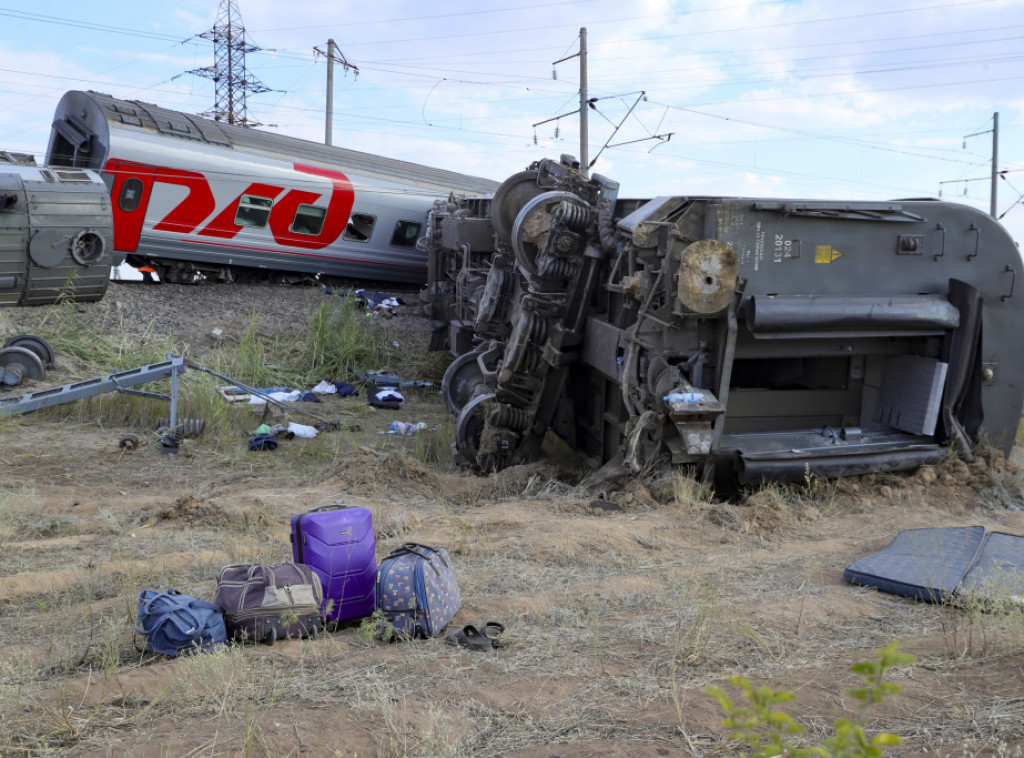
[{"x": 826, "y": 254}]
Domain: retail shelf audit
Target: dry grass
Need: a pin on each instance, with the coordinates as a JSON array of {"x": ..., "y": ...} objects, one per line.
[{"x": 618, "y": 613}]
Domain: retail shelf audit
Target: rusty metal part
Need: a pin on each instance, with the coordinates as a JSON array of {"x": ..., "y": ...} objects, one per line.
[{"x": 707, "y": 276}]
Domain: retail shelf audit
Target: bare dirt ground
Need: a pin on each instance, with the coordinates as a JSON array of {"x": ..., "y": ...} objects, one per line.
[{"x": 621, "y": 601}]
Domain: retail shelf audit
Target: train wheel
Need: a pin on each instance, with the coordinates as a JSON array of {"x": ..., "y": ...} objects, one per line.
[
  {"x": 469, "y": 428},
  {"x": 533, "y": 224},
  {"x": 18, "y": 364},
  {"x": 482, "y": 447},
  {"x": 37, "y": 345},
  {"x": 510, "y": 198},
  {"x": 462, "y": 381}
]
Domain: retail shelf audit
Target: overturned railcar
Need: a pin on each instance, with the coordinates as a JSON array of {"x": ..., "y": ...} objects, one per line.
[
  {"x": 56, "y": 233},
  {"x": 753, "y": 338}
]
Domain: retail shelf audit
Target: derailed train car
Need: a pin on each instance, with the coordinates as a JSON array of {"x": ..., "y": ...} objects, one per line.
[
  {"x": 56, "y": 233},
  {"x": 753, "y": 338},
  {"x": 196, "y": 199}
]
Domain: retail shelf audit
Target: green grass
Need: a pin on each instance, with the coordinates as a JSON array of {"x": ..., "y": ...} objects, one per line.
[{"x": 338, "y": 344}]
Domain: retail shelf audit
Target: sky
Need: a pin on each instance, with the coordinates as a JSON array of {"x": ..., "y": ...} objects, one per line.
[{"x": 874, "y": 100}]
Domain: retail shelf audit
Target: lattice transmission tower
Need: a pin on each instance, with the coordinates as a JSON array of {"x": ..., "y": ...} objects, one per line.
[{"x": 232, "y": 83}]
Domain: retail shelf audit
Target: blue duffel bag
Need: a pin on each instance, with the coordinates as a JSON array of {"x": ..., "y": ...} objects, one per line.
[
  {"x": 176, "y": 624},
  {"x": 416, "y": 593}
]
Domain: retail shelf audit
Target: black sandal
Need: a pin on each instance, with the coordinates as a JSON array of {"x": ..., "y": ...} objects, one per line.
[
  {"x": 469, "y": 637},
  {"x": 493, "y": 630}
]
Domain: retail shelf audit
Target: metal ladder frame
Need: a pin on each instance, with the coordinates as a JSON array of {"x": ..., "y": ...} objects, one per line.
[{"x": 119, "y": 381}]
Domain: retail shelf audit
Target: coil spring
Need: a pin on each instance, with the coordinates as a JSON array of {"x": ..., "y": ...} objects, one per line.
[
  {"x": 536, "y": 327},
  {"x": 574, "y": 216},
  {"x": 556, "y": 268},
  {"x": 531, "y": 360},
  {"x": 510, "y": 417}
]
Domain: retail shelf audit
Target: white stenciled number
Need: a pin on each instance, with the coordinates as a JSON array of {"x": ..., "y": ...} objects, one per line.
[{"x": 783, "y": 248}]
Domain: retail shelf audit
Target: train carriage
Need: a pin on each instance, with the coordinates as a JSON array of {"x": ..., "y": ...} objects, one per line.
[
  {"x": 752, "y": 338},
  {"x": 197, "y": 198}
]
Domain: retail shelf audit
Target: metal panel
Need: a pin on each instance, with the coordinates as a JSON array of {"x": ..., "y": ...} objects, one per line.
[
  {"x": 153, "y": 118},
  {"x": 911, "y": 393}
]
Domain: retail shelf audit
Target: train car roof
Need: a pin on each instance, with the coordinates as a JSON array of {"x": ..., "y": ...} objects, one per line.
[{"x": 150, "y": 118}]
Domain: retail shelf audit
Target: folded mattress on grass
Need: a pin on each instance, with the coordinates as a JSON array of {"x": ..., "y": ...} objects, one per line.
[{"x": 937, "y": 564}]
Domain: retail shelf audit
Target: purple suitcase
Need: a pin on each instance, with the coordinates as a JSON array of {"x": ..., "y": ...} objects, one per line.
[{"x": 338, "y": 542}]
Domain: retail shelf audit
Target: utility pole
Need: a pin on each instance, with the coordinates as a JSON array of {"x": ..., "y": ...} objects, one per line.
[
  {"x": 584, "y": 103},
  {"x": 332, "y": 55},
  {"x": 994, "y": 192},
  {"x": 329, "y": 123},
  {"x": 995, "y": 162},
  {"x": 584, "y": 125}
]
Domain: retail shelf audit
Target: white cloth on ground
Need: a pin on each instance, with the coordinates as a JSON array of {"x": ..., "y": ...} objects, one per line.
[
  {"x": 281, "y": 397},
  {"x": 301, "y": 430}
]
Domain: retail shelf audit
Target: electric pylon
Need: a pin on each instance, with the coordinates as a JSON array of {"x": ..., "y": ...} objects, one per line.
[{"x": 232, "y": 83}]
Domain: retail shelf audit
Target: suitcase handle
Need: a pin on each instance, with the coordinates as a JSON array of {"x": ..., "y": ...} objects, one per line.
[
  {"x": 333, "y": 507},
  {"x": 417, "y": 548}
]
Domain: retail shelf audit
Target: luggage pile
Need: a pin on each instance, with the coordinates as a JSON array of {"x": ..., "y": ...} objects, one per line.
[{"x": 333, "y": 577}]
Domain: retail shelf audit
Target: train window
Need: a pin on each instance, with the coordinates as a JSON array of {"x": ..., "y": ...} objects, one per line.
[
  {"x": 253, "y": 211},
  {"x": 360, "y": 227},
  {"x": 406, "y": 234},
  {"x": 309, "y": 220},
  {"x": 131, "y": 194}
]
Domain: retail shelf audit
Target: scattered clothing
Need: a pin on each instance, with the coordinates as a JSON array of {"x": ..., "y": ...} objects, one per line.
[
  {"x": 341, "y": 389},
  {"x": 309, "y": 397},
  {"x": 279, "y": 430},
  {"x": 405, "y": 428},
  {"x": 301, "y": 430},
  {"x": 262, "y": 442},
  {"x": 282, "y": 396},
  {"x": 387, "y": 397},
  {"x": 373, "y": 298}
]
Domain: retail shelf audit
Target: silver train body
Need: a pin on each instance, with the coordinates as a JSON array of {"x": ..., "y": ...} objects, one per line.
[
  {"x": 56, "y": 233},
  {"x": 192, "y": 196},
  {"x": 752, "y": 338}
]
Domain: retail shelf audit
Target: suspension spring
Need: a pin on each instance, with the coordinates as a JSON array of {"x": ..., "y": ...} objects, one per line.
[
  {"x": 557, "y": 268},
  {"x": 510, "y": 417},
  {"x": 531, "y": 360},
  {"x": 574, "y": 216},
  {"x": 536, "y": 327}
]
